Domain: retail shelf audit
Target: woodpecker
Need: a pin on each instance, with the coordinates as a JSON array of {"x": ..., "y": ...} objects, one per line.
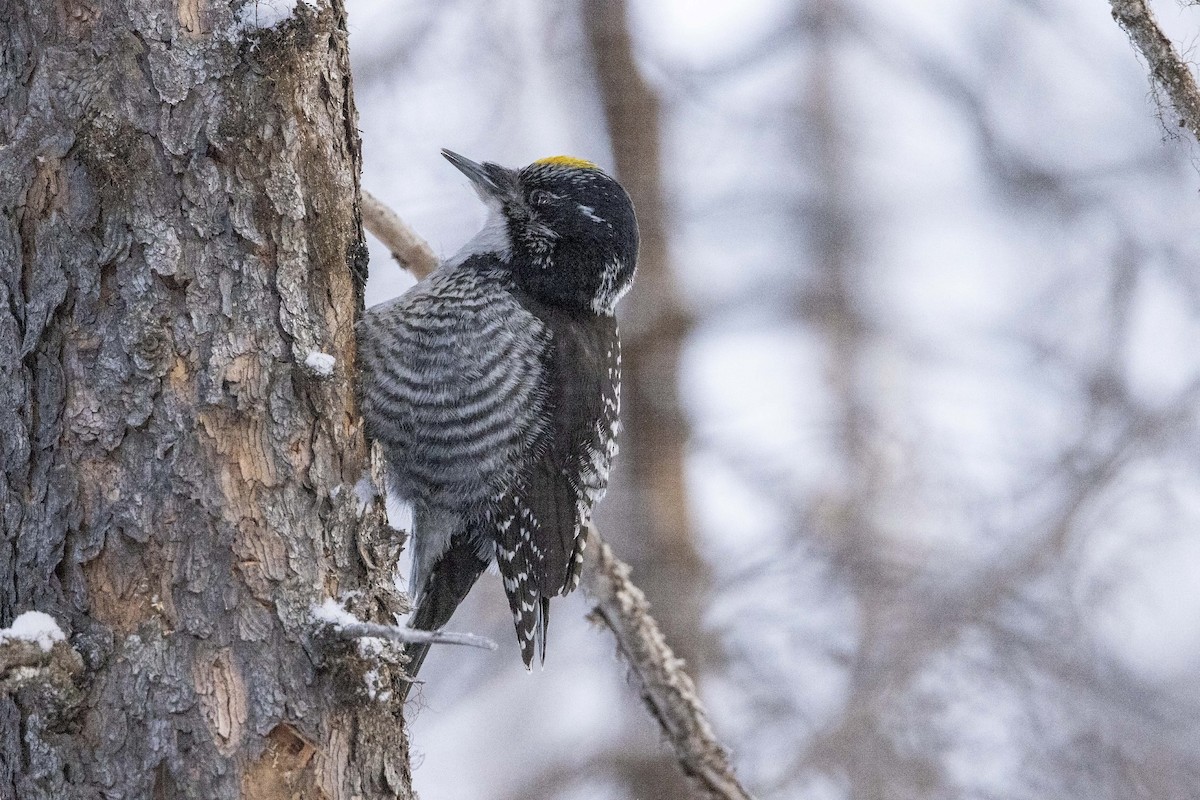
[{"x": 494, "y": 388}]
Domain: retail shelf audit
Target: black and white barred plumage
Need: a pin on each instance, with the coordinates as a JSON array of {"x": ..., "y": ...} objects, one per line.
[{"x": 494, "y": 387}]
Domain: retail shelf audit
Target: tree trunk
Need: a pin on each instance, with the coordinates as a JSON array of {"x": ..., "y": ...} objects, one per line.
[{"x": 180, "y": 233}]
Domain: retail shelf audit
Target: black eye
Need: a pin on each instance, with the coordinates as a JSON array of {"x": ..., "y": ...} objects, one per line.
[{"x": 538, "y": 197}]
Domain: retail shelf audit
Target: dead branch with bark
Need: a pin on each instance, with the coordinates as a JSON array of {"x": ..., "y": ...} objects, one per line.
[{"x": 1170, "y": 73}]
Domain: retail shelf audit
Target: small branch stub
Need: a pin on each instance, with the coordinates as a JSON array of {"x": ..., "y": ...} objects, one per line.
[{"x": 410, "y": 250}]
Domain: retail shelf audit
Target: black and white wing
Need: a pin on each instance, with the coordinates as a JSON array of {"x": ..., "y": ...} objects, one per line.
[{"x": 540, "y": 525}]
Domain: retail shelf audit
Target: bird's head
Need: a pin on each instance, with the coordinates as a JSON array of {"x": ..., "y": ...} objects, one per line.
[{"x": 566, "y": 229}]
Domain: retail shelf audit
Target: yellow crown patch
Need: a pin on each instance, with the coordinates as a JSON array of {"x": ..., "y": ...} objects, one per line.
[{"x": 567, "y": 161}]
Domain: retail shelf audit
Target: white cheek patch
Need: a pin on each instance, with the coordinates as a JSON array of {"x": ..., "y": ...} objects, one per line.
[
  {"x": 609, "y": 293},
  {"x": 590, "y": 213}
]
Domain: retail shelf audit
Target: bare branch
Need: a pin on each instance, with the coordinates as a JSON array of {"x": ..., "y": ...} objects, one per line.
[
  {"x": 410, "y": 250},
  {"x": 1169, "y": 71},
  {"x": 666, "y": 689}
]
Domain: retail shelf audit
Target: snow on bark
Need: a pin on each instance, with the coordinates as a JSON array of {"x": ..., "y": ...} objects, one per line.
[
  {"x": 34, "y": 626},
  {"x": 321, "y": 364}
]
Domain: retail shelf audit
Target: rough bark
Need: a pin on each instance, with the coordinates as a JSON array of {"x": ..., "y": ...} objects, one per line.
[{"x": 180, "y": 231}]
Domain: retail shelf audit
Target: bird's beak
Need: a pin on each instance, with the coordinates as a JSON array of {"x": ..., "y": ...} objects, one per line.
[{"x": 483, "y": 178}]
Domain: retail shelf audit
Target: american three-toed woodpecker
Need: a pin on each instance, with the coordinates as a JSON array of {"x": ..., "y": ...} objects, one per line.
[{"x": 494, "y": 387}]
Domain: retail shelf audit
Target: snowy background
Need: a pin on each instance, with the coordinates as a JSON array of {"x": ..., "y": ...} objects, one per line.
[{"x": 937, "y": 363}]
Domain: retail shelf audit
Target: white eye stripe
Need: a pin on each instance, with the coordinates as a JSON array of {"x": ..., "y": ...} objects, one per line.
[{"x": 590, "y": 213}]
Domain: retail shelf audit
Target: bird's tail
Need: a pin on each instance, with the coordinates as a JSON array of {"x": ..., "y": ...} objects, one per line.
[{"x": 446, "y": 586}]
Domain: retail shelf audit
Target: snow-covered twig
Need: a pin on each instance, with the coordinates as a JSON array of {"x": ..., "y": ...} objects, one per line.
[
  {"x": 1169, "y": 72},
  {"x": 666, "y": 689},
  {"x": 396, "y": 633},
  {"x": 345, "y": 624},
  {"x": 410, "y": 250}
]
